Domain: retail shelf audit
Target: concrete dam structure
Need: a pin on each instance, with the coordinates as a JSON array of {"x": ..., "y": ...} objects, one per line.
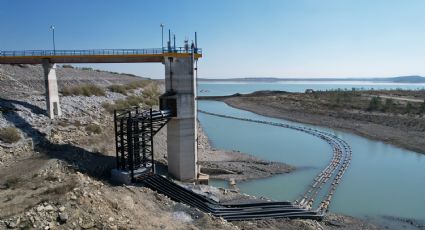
[
  {"x": 178, "y": 100},
  {"x": 135, "y": 128}
]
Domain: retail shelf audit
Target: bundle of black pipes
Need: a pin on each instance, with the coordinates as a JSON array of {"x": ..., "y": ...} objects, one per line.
[
  {"x": 301, "y": 208},
  {"x": 230, "y": 212}
]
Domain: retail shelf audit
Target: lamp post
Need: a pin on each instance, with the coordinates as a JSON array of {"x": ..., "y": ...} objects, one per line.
[
  {"x": 162, "y": 36},
  {"x": 52, "y": 28}
]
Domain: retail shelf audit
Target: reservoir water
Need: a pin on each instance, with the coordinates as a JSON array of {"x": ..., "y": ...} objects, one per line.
[
  {"x": 382, "y": 180},
  {"x": 228, "y": 88}
]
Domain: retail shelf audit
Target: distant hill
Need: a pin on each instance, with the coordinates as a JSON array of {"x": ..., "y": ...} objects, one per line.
[
  {"x": 401, "y": 79},
  {"x": 408, "y": 79}
]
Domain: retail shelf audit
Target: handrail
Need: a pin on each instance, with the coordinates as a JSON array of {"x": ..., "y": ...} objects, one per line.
[{"x": 164, "y": 50}]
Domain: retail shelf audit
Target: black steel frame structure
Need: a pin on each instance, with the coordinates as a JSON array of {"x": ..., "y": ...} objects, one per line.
[{"x": 134, "y": 132}]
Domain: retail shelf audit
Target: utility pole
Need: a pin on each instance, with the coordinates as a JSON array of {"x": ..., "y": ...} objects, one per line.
[
  {"x": 162, "y": 37},
  {"x": 52, "y": 28}
]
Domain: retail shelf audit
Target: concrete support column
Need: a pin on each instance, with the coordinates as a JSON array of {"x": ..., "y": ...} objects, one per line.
[
  {"x": 52, "y": 94},
  {"x": 180, "y": 86}
]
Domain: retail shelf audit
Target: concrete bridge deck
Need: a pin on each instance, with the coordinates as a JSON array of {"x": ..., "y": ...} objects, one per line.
[{"x": 96, "y": 55}]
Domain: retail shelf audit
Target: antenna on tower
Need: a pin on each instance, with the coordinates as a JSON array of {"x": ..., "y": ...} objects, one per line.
[
  {"x": 169, "y": 40},
  {"x": 175, "y": 42}
]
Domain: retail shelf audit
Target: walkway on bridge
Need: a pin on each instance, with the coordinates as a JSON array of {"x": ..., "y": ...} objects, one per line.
[{"x": 97, "y": 55}]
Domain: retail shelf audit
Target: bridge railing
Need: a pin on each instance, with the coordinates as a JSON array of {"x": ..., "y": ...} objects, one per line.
[
  {"x": 181, "y": 50},
  {"x": 34, "y": 53}
]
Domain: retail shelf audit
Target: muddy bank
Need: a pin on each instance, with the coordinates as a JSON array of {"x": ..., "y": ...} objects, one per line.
[{"x": 401, "y": 130}]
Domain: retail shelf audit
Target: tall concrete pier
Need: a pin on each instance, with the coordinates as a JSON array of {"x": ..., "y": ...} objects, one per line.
[
  {"x": 52, "y": 95},
  {"x": 180, "y": 86}
]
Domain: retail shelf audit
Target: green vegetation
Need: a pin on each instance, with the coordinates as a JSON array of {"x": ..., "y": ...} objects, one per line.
[
  {"x": 84, "y": 90},
  {"x": 9, "y": 135},
  {"x": 124, "y": 89},
  {"x": 11, "y": 183},
  {"x": 118, "y": 89},
  {"x": 389, "y": 105},
  {"x": 150, "y": 97},
  {"x": 422, "y": 108},
  {"x": 67, "y": 66},
  {"x": 364, "y": 100},
  {"x": 409, "y": 108},
  {"x": 375, "y": 104},
  {"x": 93, "y": 129}
]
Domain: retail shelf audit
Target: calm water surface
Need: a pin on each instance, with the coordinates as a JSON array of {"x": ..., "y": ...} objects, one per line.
[
  {"x": 381, "y": 180},
  {"x": 228, "y": 88}
]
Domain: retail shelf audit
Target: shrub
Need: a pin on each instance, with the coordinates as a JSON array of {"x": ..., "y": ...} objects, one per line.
[
  {"x": 9, "y": 135},
  {"x": 389, "y": 105},
  {"x": 118, "y": 89},
  {"x": 423, "y": 107},
  {"x": 409, "y": 107},
  {"x": 121, "y": 104},
  {"x": 124, "y": 89},
  {"x": 77, "y": 123},
  {"x": 93, "y": 129},
  {"x": 87, "y": 68},
  {"x": 375, "y": 104},
  {"x": 68, "y": 66},
  {"x": 150, "y": 97},
  {"x": 11, "y": 183},
  {"x": 108, "y": 107},
  {"x": 129, "y": 74},
  {"x": 84, "y": 90},
  {"x": 138, "y": 84}
]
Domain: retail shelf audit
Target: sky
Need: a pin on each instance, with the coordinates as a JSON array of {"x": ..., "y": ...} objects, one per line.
[{"x": 239, "y": 38}]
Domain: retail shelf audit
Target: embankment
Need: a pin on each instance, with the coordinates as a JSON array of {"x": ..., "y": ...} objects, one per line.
[{"x": 403, "y": 130}]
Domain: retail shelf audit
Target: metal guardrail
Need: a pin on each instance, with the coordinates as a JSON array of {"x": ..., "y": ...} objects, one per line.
[{"x": 34, "y": 53}]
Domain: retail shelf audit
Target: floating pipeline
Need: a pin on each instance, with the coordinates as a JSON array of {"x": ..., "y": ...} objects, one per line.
[
  {"x": 301, "y": 208},
  {"x": 332, "y": 173}
]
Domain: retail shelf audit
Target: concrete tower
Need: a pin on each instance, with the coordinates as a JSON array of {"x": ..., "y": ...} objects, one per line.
[{"x": 180, "y": 85}]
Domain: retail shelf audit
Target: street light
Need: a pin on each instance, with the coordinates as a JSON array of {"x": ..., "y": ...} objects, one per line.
[
  {"x": 162, "y": 36},
  {"x": 52, "y": 28}
]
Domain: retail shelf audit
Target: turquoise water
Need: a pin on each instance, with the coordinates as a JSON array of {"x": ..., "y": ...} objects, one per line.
[
  {"x": 382, "y": 179},
  {"x": 228, "y": 88}
]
